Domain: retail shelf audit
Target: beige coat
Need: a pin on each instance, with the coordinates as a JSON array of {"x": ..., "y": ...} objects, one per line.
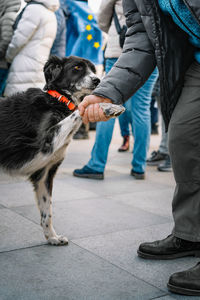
[{"x": 106, "y": 24}]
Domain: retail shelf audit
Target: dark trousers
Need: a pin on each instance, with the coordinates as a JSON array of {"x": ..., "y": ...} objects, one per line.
[{"x": 184, "y": 148}]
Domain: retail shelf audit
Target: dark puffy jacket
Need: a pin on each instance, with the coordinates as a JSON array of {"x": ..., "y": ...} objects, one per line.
[{"x": 152, "y": 39}]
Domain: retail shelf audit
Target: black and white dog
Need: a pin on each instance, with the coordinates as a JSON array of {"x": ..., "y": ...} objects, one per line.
[{"x": 36, "y": 126}]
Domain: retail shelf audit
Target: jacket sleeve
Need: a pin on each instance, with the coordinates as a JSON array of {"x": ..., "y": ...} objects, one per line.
[
  {"x": 134, "y": 65},
  {"x": 26, "y": 27},
  {"x": 7, "y": 20},
  {"x": 105, "y": 14}
]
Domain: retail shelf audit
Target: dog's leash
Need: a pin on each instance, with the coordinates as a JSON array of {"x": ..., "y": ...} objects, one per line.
[{"x": 62, "y": 98}]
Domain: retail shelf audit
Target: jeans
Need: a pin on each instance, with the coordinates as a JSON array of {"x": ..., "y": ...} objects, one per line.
[
  {"x": 125, "y": 119},
  {"x": 3, "y": 78},
  {"x": 140, "y": 110}
]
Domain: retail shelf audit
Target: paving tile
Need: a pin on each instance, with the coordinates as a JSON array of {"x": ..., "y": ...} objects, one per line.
[
  {"x": 120, "y": 248},
  {"x": 156, "y": 201},
  {"x": 67, "y": 273},
  {"x": 17, "y": 232},
  {"x": 21, "y": 193},
  {"x": 94, "y": 216}
]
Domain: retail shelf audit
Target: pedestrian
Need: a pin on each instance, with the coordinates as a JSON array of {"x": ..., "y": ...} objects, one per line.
[
  {"x": 165, "y": 33},
  {"x": 30, "y": 46},
  {"x": 140, "y": 105},
  {"x": 59, "y": 44},
  {"x": 161, "y": 157},
  {"x": 8, "y": 13}
]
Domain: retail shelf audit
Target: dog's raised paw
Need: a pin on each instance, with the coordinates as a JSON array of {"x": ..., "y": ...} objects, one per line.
[
  {"x": 58, "y": 240},
  {"x": 112, "y": 110}
]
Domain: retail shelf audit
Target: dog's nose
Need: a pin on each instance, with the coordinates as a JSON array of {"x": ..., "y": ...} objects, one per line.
[{"x": 96, "y": 81}]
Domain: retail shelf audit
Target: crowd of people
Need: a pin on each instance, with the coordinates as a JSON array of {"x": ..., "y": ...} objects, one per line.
[{"x": 152, "y": 55}]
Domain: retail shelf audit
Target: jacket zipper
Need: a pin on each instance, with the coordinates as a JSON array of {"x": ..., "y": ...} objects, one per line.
[{"x": 174, "y": 11}]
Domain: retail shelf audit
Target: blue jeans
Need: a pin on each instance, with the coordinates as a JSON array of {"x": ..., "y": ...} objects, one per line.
[
  {"x": 125, "y": 119},
  {"x": 140, "y": 109},
  {"x": 3, "y": 78}
]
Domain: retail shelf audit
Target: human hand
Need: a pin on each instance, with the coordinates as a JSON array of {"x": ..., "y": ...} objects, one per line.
[{"x": 90, "y": 110}]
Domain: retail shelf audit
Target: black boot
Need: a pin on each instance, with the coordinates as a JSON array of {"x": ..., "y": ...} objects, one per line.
[
  {"x": 186, "y": 282},
  {"x": 169, "y": 248}
]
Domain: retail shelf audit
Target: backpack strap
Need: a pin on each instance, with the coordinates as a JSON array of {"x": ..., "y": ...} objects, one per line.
[{"x": 21, "y": 13}]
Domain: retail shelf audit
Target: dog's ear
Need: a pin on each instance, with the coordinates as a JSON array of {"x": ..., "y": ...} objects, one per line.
[{"x": 52, "y": 70}]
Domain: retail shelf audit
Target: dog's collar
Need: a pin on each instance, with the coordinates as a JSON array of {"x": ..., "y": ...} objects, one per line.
[{"x": 62, "y": 98}]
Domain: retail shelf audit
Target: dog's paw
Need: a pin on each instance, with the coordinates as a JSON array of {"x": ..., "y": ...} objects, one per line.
[
  {"x": 112, "y": 110},
  {"x": 58, "y": 240}
]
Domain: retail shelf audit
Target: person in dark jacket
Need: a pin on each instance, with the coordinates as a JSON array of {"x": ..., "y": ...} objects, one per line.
[{"x": 165, "y": 33}]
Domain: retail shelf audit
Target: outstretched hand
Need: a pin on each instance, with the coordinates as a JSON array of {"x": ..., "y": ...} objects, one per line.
[{"x": 90, "y": 111}]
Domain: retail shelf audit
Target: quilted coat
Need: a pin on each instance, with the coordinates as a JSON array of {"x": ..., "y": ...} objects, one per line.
[
  {"x": 8, "y": 12},
  {"x": 106, "y": 23},
  {"x": 30, "y": 46}
]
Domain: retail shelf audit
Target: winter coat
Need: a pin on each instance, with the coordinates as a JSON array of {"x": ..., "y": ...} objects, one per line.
[
  {"x": 30, "y": 46},
  {"x": 106, "y": 23},
  {"x": 152, "y": 39},
  {"x": 8, "y": 12}
]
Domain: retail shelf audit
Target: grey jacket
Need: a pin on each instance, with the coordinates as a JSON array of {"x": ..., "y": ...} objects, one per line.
[
  {"x": 8, "y": 12},
  {"x": 106, "y": 24},
  {"x": 152, "y": 39}
]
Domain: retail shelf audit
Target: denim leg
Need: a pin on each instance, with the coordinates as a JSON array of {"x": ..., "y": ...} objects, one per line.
[
  {"x": 141, "y": 123},
  {"x": 3, "y": 78},
  {"x": 125, "y": 119},
  {"x": 104, "y": 132}
]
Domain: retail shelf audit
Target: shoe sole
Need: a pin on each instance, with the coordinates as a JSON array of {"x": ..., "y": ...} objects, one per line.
[
  {"x": 138, "y": 176},
  {"x": 155, "y": 163},
  {"x": 166, "y": 170},
  {"x": 182, "y": 291},
  {"x": 90, "y": 176},
  {"x": 168, "y": 256},
  {"x": 123, "y": 150}
]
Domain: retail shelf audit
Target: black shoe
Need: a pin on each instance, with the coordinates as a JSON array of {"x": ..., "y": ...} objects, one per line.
[
  {"x": 137, "y": 175},
  {"x": 81, "y": 136},
  {"x": 169, "y": 248},
  {"x": 186, "y": 282},
  {"x": 86, "y": 172},
  {"x": 156, "y": 158},
  {"x": 165, "y": 166}
]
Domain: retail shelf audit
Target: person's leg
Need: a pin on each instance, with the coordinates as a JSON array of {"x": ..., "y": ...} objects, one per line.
[
  {"x": 184, "y": 149},
  {"x": 124, "y": 120},
  {"x": 141, "y": 123},
  {"x": 154, "y": 115},
  {"x": 99, "y": 154},
  {"x": 3, "y": 78},
  {"x": 104, "y": 132}
]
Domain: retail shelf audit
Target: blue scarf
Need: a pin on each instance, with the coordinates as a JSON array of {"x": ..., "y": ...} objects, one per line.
[{"x": 184, "y": 19}]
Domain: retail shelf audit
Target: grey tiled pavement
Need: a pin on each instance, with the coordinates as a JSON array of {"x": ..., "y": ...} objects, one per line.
[{"x": 105, "y": 222}]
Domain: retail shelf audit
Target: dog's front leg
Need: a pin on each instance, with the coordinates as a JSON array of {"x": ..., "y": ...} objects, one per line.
[{"x": 43, "y": 182}]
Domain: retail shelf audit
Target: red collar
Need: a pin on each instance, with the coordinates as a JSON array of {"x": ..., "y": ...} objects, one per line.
[{"x": 62, "y": 98}]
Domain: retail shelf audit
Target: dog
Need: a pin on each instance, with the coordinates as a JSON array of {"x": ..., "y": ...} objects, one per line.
[{"x": 37, "y": 125}]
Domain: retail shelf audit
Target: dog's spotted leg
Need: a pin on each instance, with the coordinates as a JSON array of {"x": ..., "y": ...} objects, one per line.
[{"x": 43, "y": 183}]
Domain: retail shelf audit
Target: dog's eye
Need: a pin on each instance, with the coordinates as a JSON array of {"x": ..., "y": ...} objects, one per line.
[{"x": 78, "y": 68}]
